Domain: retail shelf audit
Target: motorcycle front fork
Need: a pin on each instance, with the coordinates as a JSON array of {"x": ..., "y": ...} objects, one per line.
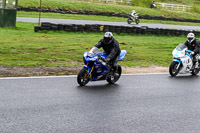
[{"x": 178, "y": 66}]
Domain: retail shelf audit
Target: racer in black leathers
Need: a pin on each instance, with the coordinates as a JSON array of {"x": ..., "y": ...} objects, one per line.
[
  {"x": 193, "y": 45},
  {"x": 111, "y": 47}
]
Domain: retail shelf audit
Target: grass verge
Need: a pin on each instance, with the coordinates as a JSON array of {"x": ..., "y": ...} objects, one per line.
[{"x": 21, "y": 46}]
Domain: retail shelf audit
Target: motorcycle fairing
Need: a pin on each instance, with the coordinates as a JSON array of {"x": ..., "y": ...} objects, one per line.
[
  {"x": 99, "y": 74},
  {"x": 122, "y": 55},
  {"x": 183, "y": 57},
  {"x": 93, "y": 59},
  {"x": 177, "y": 60},
  {"x": 104, "y": 55}
]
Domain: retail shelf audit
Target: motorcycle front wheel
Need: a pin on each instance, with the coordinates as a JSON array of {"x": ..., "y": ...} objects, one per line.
[
  {"x": 82, "y": 77},
  {"x": 129, "y": 21},
  {"x": 173, "y": 68},
  {"x": 115, "y": 76}
]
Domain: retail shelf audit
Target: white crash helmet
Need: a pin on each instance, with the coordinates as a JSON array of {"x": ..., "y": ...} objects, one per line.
[
  {"x": 133, "y": 11},
  {"x": 190, "y": 37},
  {"x": 108, "y": 37}
]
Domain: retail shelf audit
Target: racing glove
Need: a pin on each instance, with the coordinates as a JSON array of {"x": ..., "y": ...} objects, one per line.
[
  {"x": 107, "y": 60},
  {"x": 192, "y": 53}
]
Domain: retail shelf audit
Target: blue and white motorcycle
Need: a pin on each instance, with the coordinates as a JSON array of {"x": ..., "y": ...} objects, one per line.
[
  {"x": 96, "y": 69},
  {"x": 182, "y": 61}
]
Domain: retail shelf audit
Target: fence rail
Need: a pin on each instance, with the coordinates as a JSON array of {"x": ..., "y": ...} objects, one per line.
[{"x": 174, "y": 6}]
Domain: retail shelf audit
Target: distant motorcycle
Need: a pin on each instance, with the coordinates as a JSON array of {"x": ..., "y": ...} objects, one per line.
[
  {"x": 133, "y": 19},
  {"x": 182, "y": 62},
  {"x": 96, "y": 69}
]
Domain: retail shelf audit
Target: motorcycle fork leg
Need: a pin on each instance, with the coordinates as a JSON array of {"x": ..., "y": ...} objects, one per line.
[
  {"x": 178, "y": 66},
  {"x": 90, "y": 75}
]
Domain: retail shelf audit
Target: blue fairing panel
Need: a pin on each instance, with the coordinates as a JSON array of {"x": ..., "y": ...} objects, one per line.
[
  {"x": 104, "y": 55},
  {"x": 122, "y": 55},
  {"x": 86, "y": 66},
  {"x": 189, "y": 55},
  {"x": 177, "y": 61}
]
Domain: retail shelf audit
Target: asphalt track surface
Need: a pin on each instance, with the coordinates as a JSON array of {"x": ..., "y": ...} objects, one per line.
[
  {"x": 70, "y": 21},
  {"x": 153, "y": 103}
]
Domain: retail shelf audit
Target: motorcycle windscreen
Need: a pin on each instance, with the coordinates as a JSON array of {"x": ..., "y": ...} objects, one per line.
[
  {"x": 181, "y": 47},
  {"x": 122, "y": 55}
]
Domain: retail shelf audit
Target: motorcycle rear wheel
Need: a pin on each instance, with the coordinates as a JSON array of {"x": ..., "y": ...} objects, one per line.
[
  {"x": 172, "y": 69},
  {"x": 195, "y": 71},
  {"x": 82, "y": 77},
  {"x": 115, "y": 77}
]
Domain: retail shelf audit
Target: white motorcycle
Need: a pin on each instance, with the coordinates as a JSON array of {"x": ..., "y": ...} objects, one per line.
[
  {"x": 134, "y": 18},
  {"x": 182, "y": 62}
]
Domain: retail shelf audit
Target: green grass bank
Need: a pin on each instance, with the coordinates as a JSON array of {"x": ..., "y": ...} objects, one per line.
[
  {"x": 21, "y": 46},
  {"x": 102, "y": 7}
]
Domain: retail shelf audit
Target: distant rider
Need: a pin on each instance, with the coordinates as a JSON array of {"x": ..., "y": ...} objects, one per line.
[
  {"x": 133, "y": 14},
  {"x": 153, "y": 5},
  {"x": 193, "y": 45},
  {"x": 111, "y": 47}
]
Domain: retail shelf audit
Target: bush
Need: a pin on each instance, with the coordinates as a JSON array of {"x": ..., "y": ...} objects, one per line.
[{"x": 195, "y": 8}]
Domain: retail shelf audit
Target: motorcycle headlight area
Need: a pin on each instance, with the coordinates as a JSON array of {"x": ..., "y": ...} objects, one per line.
[
  {"x": 94, "y": 58},
  {"x": 178, "y": 54}
]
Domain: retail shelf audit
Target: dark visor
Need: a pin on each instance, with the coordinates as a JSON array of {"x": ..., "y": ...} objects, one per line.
[
  {"x": 190, "y": 38},
  {"x": 107, "y": 39}
]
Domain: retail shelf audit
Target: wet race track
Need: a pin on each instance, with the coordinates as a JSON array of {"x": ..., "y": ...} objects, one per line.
[{"x": 153, "y": 103}]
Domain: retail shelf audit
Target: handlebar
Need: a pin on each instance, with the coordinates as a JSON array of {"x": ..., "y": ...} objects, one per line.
[
  {"x": 189, "y": 51},
  {"x": 101, "y": 60}
]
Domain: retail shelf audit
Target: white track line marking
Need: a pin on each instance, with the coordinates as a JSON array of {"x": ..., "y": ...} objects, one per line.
[{"x": 72, "y": 76}]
